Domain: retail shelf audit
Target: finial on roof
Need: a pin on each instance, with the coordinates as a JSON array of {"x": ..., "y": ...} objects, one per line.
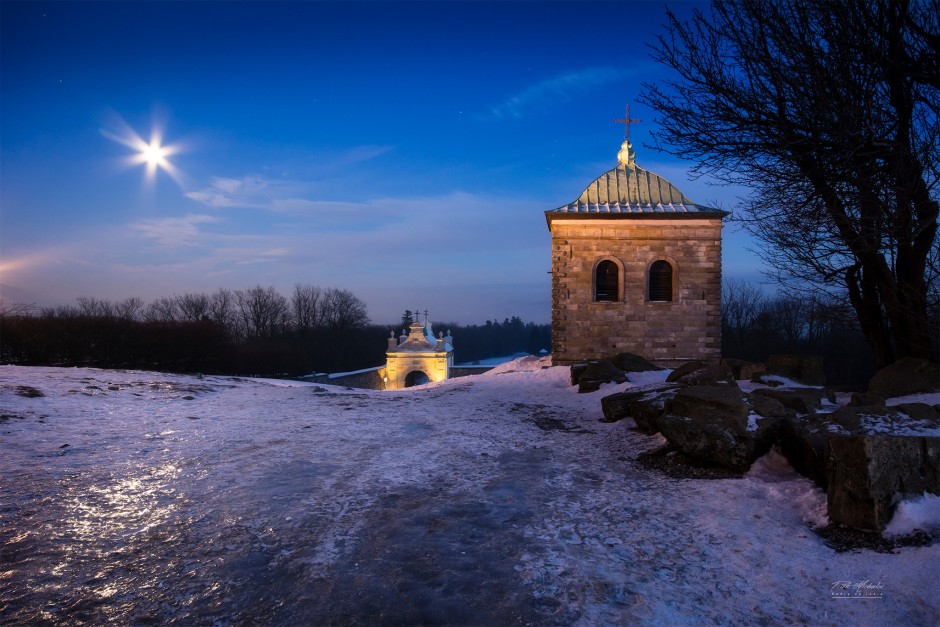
[{"x": 626, "y": 156}]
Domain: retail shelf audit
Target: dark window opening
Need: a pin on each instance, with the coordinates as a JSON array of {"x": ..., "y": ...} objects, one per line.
[
  {"x": 606, "y": 281},
  {"x": 660, "y": 281}
]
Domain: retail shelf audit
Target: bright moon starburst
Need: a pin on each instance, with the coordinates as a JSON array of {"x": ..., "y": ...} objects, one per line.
[{"x": 153, "y": 154}]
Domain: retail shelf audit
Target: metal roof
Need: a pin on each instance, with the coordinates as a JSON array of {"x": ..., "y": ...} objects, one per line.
[{"x": 629, "y": 189}]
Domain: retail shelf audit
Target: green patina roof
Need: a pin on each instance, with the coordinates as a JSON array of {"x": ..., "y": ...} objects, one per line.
[{"x": 630, "y": 189}]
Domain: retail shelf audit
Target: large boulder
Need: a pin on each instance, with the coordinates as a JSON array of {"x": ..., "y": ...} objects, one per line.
[
  {"x": 713, "y": 424},
  {"x": 800, "y": 400},
  {"x": 628, "y": 362},
  {"x": 908, "y": 375},
  {"x": 701, "y": 373},
  {"x": 804, "y": 441},
  {"x": 870, "y": 474},
  {"x": 900, "y": 420},
  {"x": 597, "y": 373},
  {"x": 742, "y": 370},
  {"x": 866, "y": 458},
  {"x": 806, "y": 369},
  {"x": 645, "y": 405}
]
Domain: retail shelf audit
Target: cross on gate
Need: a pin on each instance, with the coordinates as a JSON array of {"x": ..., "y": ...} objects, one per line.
[{"x": 626, "y": 121}]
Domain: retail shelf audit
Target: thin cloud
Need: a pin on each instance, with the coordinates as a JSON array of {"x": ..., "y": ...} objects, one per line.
[
  {"x": 173, "y": 232},
  {"x": 556, "y": 90}
]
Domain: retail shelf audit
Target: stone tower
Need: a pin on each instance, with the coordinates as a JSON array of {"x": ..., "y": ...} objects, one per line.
[{"x": 636, "y": 267}]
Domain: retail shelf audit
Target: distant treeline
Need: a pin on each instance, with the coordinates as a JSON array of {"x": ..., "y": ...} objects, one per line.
[
  {"x": 755, "y": 325},
  {"x": 256, "y": 331}
]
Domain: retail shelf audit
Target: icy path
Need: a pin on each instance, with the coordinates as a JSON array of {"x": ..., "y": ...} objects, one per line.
[{"x": 497, "y": 499}]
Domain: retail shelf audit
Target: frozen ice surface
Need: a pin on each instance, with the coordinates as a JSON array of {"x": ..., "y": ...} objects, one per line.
[{"x": 139, "y": 497}]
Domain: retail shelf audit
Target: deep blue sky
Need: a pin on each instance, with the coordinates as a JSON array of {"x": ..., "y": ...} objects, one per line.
[{"x": 402, "y": 150}]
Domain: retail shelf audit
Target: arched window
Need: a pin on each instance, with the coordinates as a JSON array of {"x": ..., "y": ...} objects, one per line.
[
  {"x": 660, "y": 281},
  {"x": 606, "y": 281}
]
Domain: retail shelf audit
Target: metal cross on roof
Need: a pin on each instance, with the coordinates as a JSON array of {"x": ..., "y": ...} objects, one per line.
[{"x": 627, "y": 121}]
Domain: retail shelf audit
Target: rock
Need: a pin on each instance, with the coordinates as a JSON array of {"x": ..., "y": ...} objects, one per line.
[
  {"x": 870, "y": 474},
  {"x": 628, "y": 362},
  {"x": 701, "y": 373},
  {"x": 900, "y": 420},
  {"x": 684, "y": 369},
  {"x": 806, "y": 369},
  {"x": 732, "y": 364},
  {"x": 742, "y": 370},
  {"x": 804, "y": 441},
  {"x": 723, "y": 404},
  {"x": 598, "y": 373},
  {"x": 644, "y": 405},
  {"x": 749, "y": 371},
  {"x": 719, "y": 442},
  {"x": 712, "y": 424},
  {"x": 576, "y": 371},
  {"x": 908, "y": 375},
  {"x": 800, "y": 400},
  {"x": 920, "y": 412},
  {"x": 864, "y": 399},
  {"x": 768, "y": 407}
]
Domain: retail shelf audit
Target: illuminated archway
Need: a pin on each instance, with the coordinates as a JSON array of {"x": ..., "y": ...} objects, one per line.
[{"x": 416, "y": 377}]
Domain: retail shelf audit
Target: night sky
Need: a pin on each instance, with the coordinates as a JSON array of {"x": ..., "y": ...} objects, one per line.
[{"x": 405, "y": 151}]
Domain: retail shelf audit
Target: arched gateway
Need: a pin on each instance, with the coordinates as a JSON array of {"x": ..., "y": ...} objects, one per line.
[{"x": 418, "y": 358}]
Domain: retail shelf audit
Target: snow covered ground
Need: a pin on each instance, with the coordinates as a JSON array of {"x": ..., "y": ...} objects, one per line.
[{"x": 138, "y": 497}]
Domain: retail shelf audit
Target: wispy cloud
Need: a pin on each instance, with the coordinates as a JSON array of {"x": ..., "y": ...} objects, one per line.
[
  {"x": 173, "y": 232},
  {"x": 555, "y": 90}
]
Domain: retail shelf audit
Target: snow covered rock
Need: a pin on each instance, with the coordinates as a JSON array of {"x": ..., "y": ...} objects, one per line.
[
  {"x": 804, "y": 441},
  {"x": 806, "y": 369},
  {"x": 701, "y": 373},
  {"x": 800, "y": 400},
  {"x": 866, "y": 458},
  {"x": 597, "y": 373},
  {"x": 713, "y": 424},
  {"x": 628, "y": 362},
  {"x": 908, "y": 375},
  {"x": 645, "y": 405},
  {"x": 870, "y": 474}
]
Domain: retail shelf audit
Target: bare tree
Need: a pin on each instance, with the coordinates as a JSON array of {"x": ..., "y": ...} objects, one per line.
[
  {"x": 344, "y": 310},
  {"x": 222, "y": 309},
  {"x": 192, "y": 307},
  {"x": 163, "y": 309},
  {"x": 16, "y": 309},
  {"x": 828, "y": 110},
  {"x": 94, "y": 307},
  {"x": 261, "y": 312},
  {"x": 307, "y": 305},
  {"x": 129, "y": 308},
  {"x": 741, "y": 304}
]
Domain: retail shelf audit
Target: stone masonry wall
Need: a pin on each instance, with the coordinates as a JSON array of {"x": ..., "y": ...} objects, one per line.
[{"x": 666, "y": 333}]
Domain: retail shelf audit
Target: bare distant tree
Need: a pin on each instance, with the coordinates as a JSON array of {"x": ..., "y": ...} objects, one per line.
[
  {"x": 741, "y": 304},
  {"x": 94, "y": 307},
  {"x": 828, "y": 109},
  {"x": 307, "y": 304},
  {"x": 222, "y": 309},
  {"x": 129, "y": 308},
  {"x": 163, "y": 309},
  {"x": 344, "y": 310},
  {"x": 192, "y": 307},
  {"x": 16, "y": 309},
  {"x": 262, "y": 312}
]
